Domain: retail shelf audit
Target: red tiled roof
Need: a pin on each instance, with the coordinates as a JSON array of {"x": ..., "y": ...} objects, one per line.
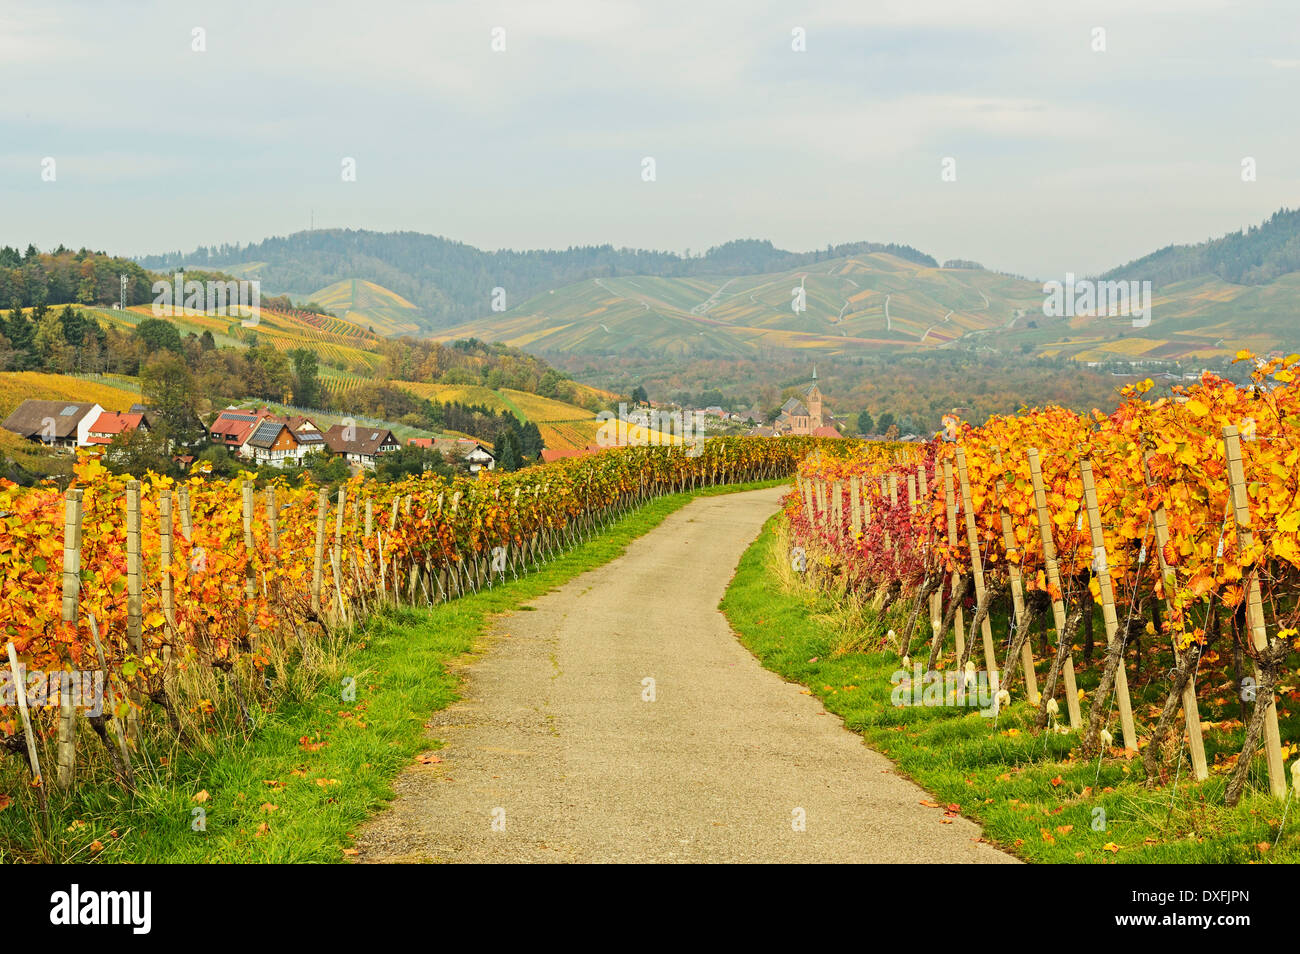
[
  {"x": 826, "y": 431},
  {"x": 112, "y": 422}
]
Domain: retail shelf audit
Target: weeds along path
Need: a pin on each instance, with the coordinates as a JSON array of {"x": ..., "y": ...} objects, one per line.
[{"x": 557, "y": 753}]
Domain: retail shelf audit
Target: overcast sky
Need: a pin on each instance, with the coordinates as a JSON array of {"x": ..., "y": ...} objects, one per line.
[{"x": 1066, "y": 158}]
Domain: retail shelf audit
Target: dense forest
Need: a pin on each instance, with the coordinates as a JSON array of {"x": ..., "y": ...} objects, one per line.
[
  {"x": 83, "y": 277},
  {"x": 1253, "y": 256},
  {"x": 452, "y": 281}
]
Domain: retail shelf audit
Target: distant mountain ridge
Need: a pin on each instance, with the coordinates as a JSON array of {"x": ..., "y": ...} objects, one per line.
[
  {"x": 1255, "y": 255},
  {"x": 450, "y": 282}
]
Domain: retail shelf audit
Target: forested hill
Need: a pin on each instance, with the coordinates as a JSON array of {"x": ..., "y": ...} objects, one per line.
[
  {"x": 452, "y": 282},
  {"x": 1253, "y": 256}
]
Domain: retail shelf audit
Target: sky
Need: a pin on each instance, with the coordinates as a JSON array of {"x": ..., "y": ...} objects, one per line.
[{"x": 1066, "y": 157}]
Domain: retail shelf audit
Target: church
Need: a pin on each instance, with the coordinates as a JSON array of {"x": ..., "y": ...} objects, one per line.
[{"x": 802, "y": 416}]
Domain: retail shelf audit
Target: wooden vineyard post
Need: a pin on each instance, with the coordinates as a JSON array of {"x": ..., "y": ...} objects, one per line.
[
  {"x": 338, "y": 529},
  {"x": 318, "y": 561},
  {"x": 808, "y": 504},
  {"x": 936, "y": 598},
  {"x": 29, "y": 734},
  {"x": 392, "y": 564},
  {"x": 1101, "y": 568},
  {"x": 67, "y": 761},
  {"x": 837, "y": 508},
  {"x": 855, "y": 506},
  {"x": 1254, "y": 605},
  {"x": 893, "y": 490},
  {"x": 977, "y": 567},
  {"x": 950, "y": 500},
  {"x": 187, "y": 518},
  {"x": 1053, "y": 573},
  {"x": 165, "y": 556},
  {"x": 1191, "y": 710},
  {"x": 1017, "y": 594},
  {"x": 272, "y": 521},
  {"x": 370, "y": 529},
  {"x": 911, "y": 492},
  {"x": 250, "y": 575},
  {"x": 821, "y": 503},
  {"x": 133, "y": 601}
]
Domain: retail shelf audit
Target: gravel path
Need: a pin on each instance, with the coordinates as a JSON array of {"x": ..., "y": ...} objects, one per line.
[{"x": 553, "y": 743}]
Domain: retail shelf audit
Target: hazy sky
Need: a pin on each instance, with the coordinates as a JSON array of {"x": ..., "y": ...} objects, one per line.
[{"x": 1066, "y": 158}]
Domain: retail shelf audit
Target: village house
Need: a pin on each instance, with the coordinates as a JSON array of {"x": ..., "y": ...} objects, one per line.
[
  {"x": 310, "y": 438},
  {"x": 111, "y": 423},
  {"x": 62, "y": 424},
  {"x": 233, "y": 427},
  {"x": 271, "y": 442},
  {"x": 361, "y": 446},
  {"x": 475, "y": 455}
]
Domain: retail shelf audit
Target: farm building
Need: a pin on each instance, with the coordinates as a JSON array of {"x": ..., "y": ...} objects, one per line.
[
  {"x": 272, "y": 443},
  {"x": 64, "y": 424},
  {"x": 476, "y": 456},
  {"x": 233, "y": 427},
  {"x": 360, "y": 445},
  {"x": 111, "y": 423}
]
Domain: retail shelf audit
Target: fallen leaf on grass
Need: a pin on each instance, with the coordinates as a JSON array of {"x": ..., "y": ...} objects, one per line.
[
  {"x": 201, "y": 797},
  {"x": 1111, "y": 847},
  {"x": 4, "y": 802},
  {"x": 323, "y": 782},
  {"x": 268, "y": 807},
  {"x": 351, "y": 851},
  {"x": 1056, "y": 782}
]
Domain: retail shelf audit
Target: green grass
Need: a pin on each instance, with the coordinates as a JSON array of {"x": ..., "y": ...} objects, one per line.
[
  {"x": 1017, "y": 783},
  {"x": 320, "y": 792}
]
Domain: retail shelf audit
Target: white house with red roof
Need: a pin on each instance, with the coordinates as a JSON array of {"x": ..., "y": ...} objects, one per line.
[{"x": 111, "y": 423}]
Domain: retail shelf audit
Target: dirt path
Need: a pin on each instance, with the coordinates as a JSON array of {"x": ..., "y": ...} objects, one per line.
[{"x": 553, "y": 737}]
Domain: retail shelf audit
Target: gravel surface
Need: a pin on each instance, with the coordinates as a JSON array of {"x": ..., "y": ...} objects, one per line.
[{"x": 554, "y": 755}]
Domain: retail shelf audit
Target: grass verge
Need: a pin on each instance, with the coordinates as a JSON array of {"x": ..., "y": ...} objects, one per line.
[
  {"x": 1023, "y": 786},
  {"x": 312, "y": 770}
]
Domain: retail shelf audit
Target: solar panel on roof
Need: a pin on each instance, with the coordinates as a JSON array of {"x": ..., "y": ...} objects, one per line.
[{"x": 68, "y": 411}]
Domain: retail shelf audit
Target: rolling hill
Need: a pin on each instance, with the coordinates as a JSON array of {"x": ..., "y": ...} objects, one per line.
[
  {"x": 872, "y": 302},
  {"x": 370, "y": 306},
  {"x": 866, "y": 305},
  {"x": 448, "y": 282}
]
